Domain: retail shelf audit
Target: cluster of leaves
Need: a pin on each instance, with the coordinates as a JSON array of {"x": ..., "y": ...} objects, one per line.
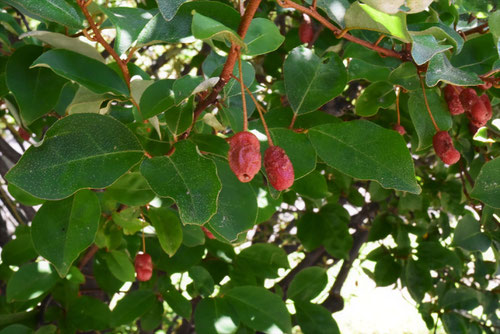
[{"x": 113, "y": 158}]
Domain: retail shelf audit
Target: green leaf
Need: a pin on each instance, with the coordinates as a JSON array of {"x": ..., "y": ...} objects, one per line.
[
  {"x": 177, "y": 302},
  {"x": 128, "y": 220},
  {"x": 460, "y": 298},
  {"x": 375, "y": 96},
  {"x": 262, "y": 260},
  {"x": 440, "y": 32},
  {"x": 361, "y": 16},
  {"x": 61, "y": 230},
  {"x": 179, "y": 119},
  {"x": 454, "y": 323},
  {"x": 487, "y": 187},
  {"x": 157, "y": 98},
  {"x": 192, "y": 235},
  {"x": 313, "y": 318},
  {"x": 215, "y": 316},
  {"x": 185, "y": 86},
  {"x": 131, "y": 189},
  {"x": 421, "y": 119},
  {"x": 36, "y": 90},
  {"x": 89, "y": 314},
  {"x": 88, "y": 72},
  {"x": 260, "y": 309},
  {"x": 298, "y": 148},
  {"x": 207, "y": 29},
  {"x": 405, "y": 76},
  {"x": 418, "y": 279},
  {"x": 52, "y": 10},
  {"x": 494, "y": 24},
  {"x": 313, "y": 186},
  {"x": 468, "y": 235},
  {"x": 168, "y": 228},
  {"x": 310, "y": 81},
  {"x": 120, "y": 266},
  {"x": 335, "y": 9},
  {"x": 364, "y": 150},
  {"x": 31, "y": 281},
  {"x": 19, "y": 250},
  {"x": 307, "y": 284},
  {"x": 202, "y": 280},
  {"x": 263, "y": 36},
  {"x": 129, "y": 23},
  {"x": 61, "y": 41},
  {"x": 424, "y": 47},
  {"x": 478, "y": 54},
  {"x": 188, "y": 178},
  {"x": 237, "y": 204},
  {"x": 440, "y": 69},
  {"x": 360, "y": 69},
  {"x": 131, "y": 307},
  {"x": 91, "y": 143},
  {"x": 387, "y": 270},
  {"x": 436, "y": 256},
  {"x": 16, "y": 329},
  {"x": 168, "y": 8}
]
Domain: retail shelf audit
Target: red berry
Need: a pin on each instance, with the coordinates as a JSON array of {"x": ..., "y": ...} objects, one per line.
[
  {"x": 143, "y": 267},
  {"x": 306, "y": 32},
  {"x": 24, "y": 134},
  {"x": 399, "y": 128},
  {"x": 480, "y": 114},
  {"x": 443, "y": 145},
  {"x": 208, "y": 233},
  {"x": 451, "y": 91},
  {"x": 468, "y": 97},
  {"x": 279, "y": 168},
  {"x": 455, "y": 106},
  {"x": 244, "y": 155}
]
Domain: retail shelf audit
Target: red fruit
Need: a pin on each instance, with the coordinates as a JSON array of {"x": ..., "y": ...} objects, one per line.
[
  {"x": 468, "y": 97},
  {"x": 244, "y": 155},
  {"x": 279, "y": 168},
  {"x": 306, "y": 32},
  {"x": 455, "y": 106},
  {"x": 443, "y": 145},
  {"x": 451, "y": 91},
  {"x": 480, "y": 114},
  {"x": 143, "y": 267},
  {"x": 207, "y": 233},
  {"x": 487, "y": 85},
  {"x": 399, "y": 128},
  {"x": 24, "y": 134}
]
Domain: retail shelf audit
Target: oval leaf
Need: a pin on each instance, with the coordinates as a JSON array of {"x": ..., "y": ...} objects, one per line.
[
  {"x": 487, "y": 187},
  {"x": 168, "y": 228},
  {"x": 31, "y": 281}
]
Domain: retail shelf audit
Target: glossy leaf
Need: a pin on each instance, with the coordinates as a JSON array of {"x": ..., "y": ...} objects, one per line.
[
  {"x": 468, "y": 235},
  {"x": 88, "y": 72},
  {"x": 263, "y": 36},
  {"x": 335, "y": 9},
  {"x": 168, "y": 228},
  {"x": 362, "y": 16},
  {"x": 260, "y": 309},
  {"x": 263, "y": 260},
  {"x": 307, "y": 284},
  {"x": 61, "y": 230},
  {"x": 237, "y": 205},
  {"x": 424, "y": 47},
  {"x": 440, "y": 32},
  {"x": 36, "y": 89},
  {"x": 131, "y": 307},
  {"x": 168, "y": 8},
  {"x": 440, "y": 69},
  {"x": 406, "y": 76},
  {"x": 215, "y": 316},
  {"x": 52, "y": 10},
  {"x": 206, "y": 28},
  {"x": 157, "y": 98},
  {"x": 377, "y": 95},
  {"x": 345, "y": 147},
  {"x": 421, "y": 119},
  {"x": 313, "y": 318},
  {"x": 31, "y": 281},
  {"x": 487, "y": 188},
  {"x": 178, "y": 177},
  {"x": 131, "y": 189},
  {"x": 310, "y": 82},
  {"x": 90, "y": 142},
  {"x": 120, "y": 265}
]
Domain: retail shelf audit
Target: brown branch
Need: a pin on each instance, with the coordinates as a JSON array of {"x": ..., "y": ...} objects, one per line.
[
  {"x": 482, "y": 29},
  {"x": 227, "y": 70},
  {"x": 88, "y": 256},
  {"x": 337, "y": 31},
  {"x": 98, "y": 38}
]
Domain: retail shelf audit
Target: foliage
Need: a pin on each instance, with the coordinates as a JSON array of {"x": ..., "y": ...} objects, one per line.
[{"x": 124, "y": 108}]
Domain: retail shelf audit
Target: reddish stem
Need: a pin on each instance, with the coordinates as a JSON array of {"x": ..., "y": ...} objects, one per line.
[{"x": 427, "y": 104}]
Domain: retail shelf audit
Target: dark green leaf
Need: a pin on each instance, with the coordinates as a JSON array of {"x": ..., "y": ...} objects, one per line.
[
  {"x": 377, "y": 95},
  {"x": 88, "y": 72},
  {"x": 307, "y": 284},
  {"x": 262, "y": 260},
  {"x": 207, "y": 29},
  {"x": 487, "y": 187},
  {"x": 132, "y": 306},
  {"x": 61, "y": 230},
  {"x": 89, "y": 314},
  {"x": 382, "y": 157},
  {"x": 31, "y": 281},
  {"x": 263, "y": 36},
  {"x": 460, "y": 298},
  {"x": 406, "y": 76},
  {"x": 468, "y": 235},
  {"x": 52, "y": 10},
  {"x": 131, "y": 189},
  {"x": 179, "y": 177},
  {"x": 215, "y": 316},
  {"x": 202, "y": 280},
  {"x": 424, "y": 47},
  {"x": 120, "y": 265},
  {"x": 418, "y": 279},
  {"x": 157, "y": 98},
  {"x": 36, "y": 89},
  {"x": 440, "y": 69},
  {"x": 260, "y": 309},
  {"x": 168, "y": 228},
  {"x": 335, "y": 9},
  {"x": 313, "y": 186},
  {"x": 16, "y": 329},
  {"x": 310, "y": 82},
  {"x": 313, "y": 318},
  {"x": 387, "y": 270},
  {"x": 168, "y": 8},
  {"x": 440, "y": 32},
  {"x": 90, "y": 143}
]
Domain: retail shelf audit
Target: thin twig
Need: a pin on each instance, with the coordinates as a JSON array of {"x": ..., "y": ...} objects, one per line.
[
  {"x": 427, "y": 104},
  {"x": 398, "y": 91},
  {"x": 243, "y": 98}
]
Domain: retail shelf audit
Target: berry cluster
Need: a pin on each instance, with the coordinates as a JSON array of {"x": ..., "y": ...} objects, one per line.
[{"x": 245, "y": 161}]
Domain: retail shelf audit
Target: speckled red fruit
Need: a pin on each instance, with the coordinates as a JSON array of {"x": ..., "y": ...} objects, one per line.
[
  {"x": 399, "y": 128},
  {"x": 480, "y": 112},
  {"x": 455, "y": 106},
  {"x": 451, "y": 91},
  {"x": 306, "y": 32},
  {"x": 143, "y": 267},
  {"x": 208, "y": 234},
  {"x": 24, "y": 134},
  {"x": 244, "y": 155},
  {"x": 443, "y": 146},
  {"x": 468, "y": 97},
  {"x": 279, "y": 168}
]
